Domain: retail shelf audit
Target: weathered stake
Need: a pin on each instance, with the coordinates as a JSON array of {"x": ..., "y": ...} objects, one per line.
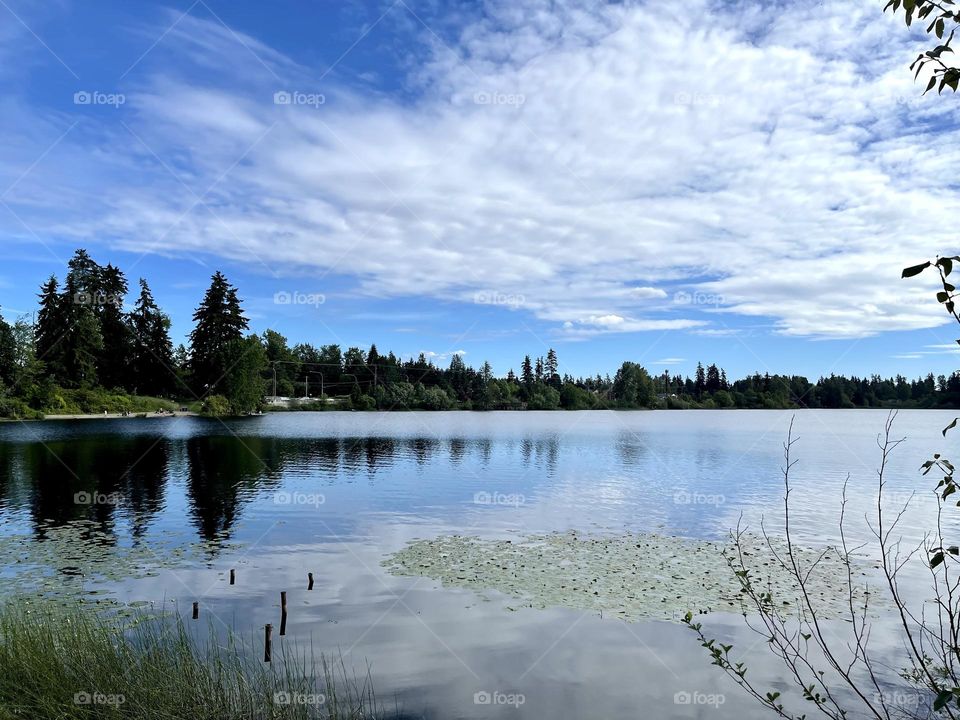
[
  {"x": 283, "y": 601},
  {"x": 233, "y": 577},
  {"x": 283, "y": 623},
  {"x": 267, "y": 643},
  {"x": 196, "y": 610},
  {"x": 310, "y": 578}
]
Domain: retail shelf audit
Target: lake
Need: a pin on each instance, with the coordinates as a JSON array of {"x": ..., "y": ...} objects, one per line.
[{"x": 278, "y": 496}]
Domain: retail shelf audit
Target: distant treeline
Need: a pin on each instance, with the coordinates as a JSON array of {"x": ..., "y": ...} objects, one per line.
[{"x": 85, "y": 346}]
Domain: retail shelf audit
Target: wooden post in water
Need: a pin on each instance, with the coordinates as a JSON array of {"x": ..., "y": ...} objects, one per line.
[
  {"x": 283, "y": 623},
  {"x": 310, "y": 578},
  {"x": 267, "y": 643},
  {"x": 283, "y": 600},
  {"x": 233, "y": 577},
  {"x": 196, "y": 610}
]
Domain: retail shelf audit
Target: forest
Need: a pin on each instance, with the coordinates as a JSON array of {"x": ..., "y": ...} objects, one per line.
[{"x": 86, "y": 350}]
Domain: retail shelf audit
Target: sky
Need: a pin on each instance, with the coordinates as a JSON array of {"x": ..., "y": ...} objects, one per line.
[{"x": 667, "y": 183}]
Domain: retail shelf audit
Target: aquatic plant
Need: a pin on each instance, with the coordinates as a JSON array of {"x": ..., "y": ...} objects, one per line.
[{"x": 60, "y": 663}]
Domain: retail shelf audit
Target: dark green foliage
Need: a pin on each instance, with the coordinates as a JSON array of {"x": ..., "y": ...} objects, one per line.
[
  {"x": 8, "y": 354},
  {"x": 219, "y": 322},
  {"x": 153, "y": 366},
  {"x": 113, "y": 363},
  {"x": 244, "y": 362}
]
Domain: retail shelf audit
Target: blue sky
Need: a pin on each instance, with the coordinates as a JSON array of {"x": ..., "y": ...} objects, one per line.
[{"x": 710, "y": 182}]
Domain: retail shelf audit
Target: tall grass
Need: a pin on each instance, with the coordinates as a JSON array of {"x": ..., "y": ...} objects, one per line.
[{"x": 64, "y": 664}]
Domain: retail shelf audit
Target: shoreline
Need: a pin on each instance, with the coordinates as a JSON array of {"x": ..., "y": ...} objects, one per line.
[{"x": 108, "y": 416}]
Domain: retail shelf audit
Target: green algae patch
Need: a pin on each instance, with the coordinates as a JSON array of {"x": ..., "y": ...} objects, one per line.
[
  {"x": 632, "y": 576},
  {"x": 79, "y": 563}
]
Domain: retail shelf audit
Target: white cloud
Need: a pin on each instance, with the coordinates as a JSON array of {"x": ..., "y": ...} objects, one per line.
[
  {"x": 655, "y": 146},
  {"x": 669, "y": 361},
  {"x": 430, "y": 355},
  {"x": 647, "y": 293}
]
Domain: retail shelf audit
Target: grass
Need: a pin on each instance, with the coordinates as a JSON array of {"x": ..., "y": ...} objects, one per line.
[
  {"x": 98, "y": 401},
  {"x": 65, "y": 664}
]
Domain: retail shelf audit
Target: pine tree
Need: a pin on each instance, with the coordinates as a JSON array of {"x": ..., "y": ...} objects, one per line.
[
  {"x": 219, "y": 322},
  {"x": 82, "y": 338},
  {"x": 526, "y": 372},
  {"x": 152, "y": 367},
  {"x": 49, "y": 330},
  {"x": 113, "y": 366},
  {"x": 8, "y": 354},
  {"x": 551, "y": 369},
  {"x": 700, "y": 383},
  {"x": 486, "y": 372}
]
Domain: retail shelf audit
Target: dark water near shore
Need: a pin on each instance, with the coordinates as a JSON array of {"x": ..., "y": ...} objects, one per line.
[{"x": 334, "y": 493}]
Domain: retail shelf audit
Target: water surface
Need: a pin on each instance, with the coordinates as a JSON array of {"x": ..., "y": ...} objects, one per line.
[{"x": 334, "y": 493}]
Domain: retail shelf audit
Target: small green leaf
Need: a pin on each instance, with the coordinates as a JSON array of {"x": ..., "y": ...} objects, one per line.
[{"x": 943, "y": 697}]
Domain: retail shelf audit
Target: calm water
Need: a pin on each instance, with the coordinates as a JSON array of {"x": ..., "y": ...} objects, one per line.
[{"x": 333, "y": 493}]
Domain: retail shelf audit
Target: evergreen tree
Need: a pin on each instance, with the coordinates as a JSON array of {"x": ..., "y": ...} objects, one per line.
[
  {"x": 152, "y": 366},
  {"x": 219, "y": 322},
  {"x": 82, "y": 338},
  {"x": 113, "y": 366},
  {"x": 8, "y": 354},
  {"x": 50, "y": 327},
  {"x": 700, "y": 383},
  {"x": 551, "y": 368},
  {"x": 526, "y": 372}
]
